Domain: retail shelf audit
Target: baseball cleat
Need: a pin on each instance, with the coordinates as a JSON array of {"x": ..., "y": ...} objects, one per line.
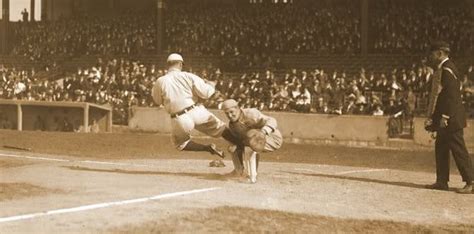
[
  {"x": 253, "y": 180},
  {"x": 468, "y": 189},
  {"x": 213, "y": 149},
  {"x": 438, "y": 186},
  {"x": 246, "y": 180}
]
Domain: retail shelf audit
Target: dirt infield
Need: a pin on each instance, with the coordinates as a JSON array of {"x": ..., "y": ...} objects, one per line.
[
  {"x": 129, "y": 183},
  {"x": 249, "y": 220},
  {"x": 11, "y": 163},
  {"x": 9, "y": 191}
]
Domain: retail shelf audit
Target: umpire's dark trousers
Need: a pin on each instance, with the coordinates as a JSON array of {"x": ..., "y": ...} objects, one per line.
[{"x": 453, "y": 141}]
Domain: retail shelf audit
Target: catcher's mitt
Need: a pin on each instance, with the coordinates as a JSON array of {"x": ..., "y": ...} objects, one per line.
[
  {"x": 255, "y": 139},
  {"x": 429, "y": 126}
]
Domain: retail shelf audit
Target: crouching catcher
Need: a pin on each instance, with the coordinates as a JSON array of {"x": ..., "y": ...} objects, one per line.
[{"x": 254, "y": 133}]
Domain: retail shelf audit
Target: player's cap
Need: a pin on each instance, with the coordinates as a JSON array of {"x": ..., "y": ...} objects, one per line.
[
  {"x": 229, "y": 103},
  {"x": 440, "y": 45},
  {"x": 175, "y": 57}
]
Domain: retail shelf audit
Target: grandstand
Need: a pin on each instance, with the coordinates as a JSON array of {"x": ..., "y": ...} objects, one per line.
[{"x": 110, "y": 52}]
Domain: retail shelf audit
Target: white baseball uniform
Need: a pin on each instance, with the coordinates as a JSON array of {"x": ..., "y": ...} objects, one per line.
[
  {"x": 251, "y": 118},
  {"x": 179, "y": 91}
]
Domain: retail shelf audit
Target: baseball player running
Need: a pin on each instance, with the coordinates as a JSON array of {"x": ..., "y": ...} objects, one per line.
[
  {"x": 256, "y": 133},
  {"x": 179, "y": 92}
]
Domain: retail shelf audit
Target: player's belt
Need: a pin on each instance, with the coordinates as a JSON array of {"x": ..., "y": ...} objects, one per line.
[{"x": 184, "y": 111}]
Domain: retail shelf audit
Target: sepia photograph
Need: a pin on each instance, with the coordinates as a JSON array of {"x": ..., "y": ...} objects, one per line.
[{"x": 236, "y": 116}]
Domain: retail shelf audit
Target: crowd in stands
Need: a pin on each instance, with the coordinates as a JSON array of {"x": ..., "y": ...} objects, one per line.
[
  {"x": 125, "y": 34},
  {"x": 245, "y": 32},
  {"x": 405, "y": 26},
  {"x": 123, "y": 83},
  {"x": 254, "y": 31},
  {"x": 317, "y": 91},
  {"x": 322, "y": 27}
]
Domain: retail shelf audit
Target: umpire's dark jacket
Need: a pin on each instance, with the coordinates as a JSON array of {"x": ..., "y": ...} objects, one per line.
[{"x": 449, "y": 103}]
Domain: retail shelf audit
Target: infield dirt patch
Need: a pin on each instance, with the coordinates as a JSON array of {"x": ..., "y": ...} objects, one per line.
[
  {"x": 10, "y": 191},
  {"x": 5, "y": 163},
  {"x": 249, "y": 220}
]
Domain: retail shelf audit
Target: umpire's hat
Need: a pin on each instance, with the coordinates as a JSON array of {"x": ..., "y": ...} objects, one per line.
[{"x": 440, "y": 45}]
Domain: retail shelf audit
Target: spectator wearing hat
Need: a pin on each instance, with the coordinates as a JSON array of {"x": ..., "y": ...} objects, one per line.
[
  {"x": 378, "y": 111},
  {"x": 361, "y": 109},
  {"x": 303, "y": 100},
  {"x": 394, "y": 111},
  {"x": 350, "y": 107}
]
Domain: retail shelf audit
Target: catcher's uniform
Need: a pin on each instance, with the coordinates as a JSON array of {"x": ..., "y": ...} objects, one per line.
[
  {"x": 179, "y": 91},
  {"x": 257, "y": 133},
  {"x": 251, "y": 118}
]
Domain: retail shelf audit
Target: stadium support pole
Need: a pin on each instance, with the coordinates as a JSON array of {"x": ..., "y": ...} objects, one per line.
[
  {"x": 364, "y": 25},
  {"x": 86, "y": 118},
  {"x": 109, "y": 121},
  {"x": 160, "y": 25},
  {"x": 19, "y": 118},
  {"x": 4, "y": 27},
  {"x": 32, "y": 10}
]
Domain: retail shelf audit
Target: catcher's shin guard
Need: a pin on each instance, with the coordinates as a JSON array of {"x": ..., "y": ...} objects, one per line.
[
  {"x": 247, "y": 165},
  {"x": 253, "y": 167},
  {"x": 250, "y": 164},
  {"x": 237, "y": 160}
]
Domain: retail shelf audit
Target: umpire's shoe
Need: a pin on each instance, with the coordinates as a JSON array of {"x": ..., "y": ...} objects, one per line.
[
  {"x": 438, "y": 186},
  {"x": 213, "y": 150},
  {"x": 468, "y": 189}
]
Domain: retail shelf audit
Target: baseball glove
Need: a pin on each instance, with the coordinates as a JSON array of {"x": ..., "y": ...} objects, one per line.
[
  {"x": 429, "y": 126},
  {"x": 255, "y": 139}
]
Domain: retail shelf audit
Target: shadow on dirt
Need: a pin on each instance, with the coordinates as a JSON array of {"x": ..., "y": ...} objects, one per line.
[
  {"x": 204, "y": 176},
  {"x": 394, "y": 183}
]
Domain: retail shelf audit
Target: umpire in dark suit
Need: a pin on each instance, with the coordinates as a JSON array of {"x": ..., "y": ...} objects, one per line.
[{"x": 448, "y": 120}]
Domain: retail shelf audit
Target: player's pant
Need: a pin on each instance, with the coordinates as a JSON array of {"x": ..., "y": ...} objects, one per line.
[
  {"x": 198, "y": 118},
  {"x": 447, "y": 141}
]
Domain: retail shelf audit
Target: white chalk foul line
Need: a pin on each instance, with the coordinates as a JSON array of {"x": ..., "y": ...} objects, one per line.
[
  {"x": 344, "y": 172},
  {"x": 103, "y": 205},
  {"x": 34, "y": 158},
  {"x": 360, "y": 171},
  {"x": 73, "y": 161}
]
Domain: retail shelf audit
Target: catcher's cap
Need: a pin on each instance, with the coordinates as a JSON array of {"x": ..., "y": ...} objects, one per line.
[
  {"x": 229, "y": 103},
  {"x": 175, "y": 57},
  {"x": 440, "y": 45}
]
